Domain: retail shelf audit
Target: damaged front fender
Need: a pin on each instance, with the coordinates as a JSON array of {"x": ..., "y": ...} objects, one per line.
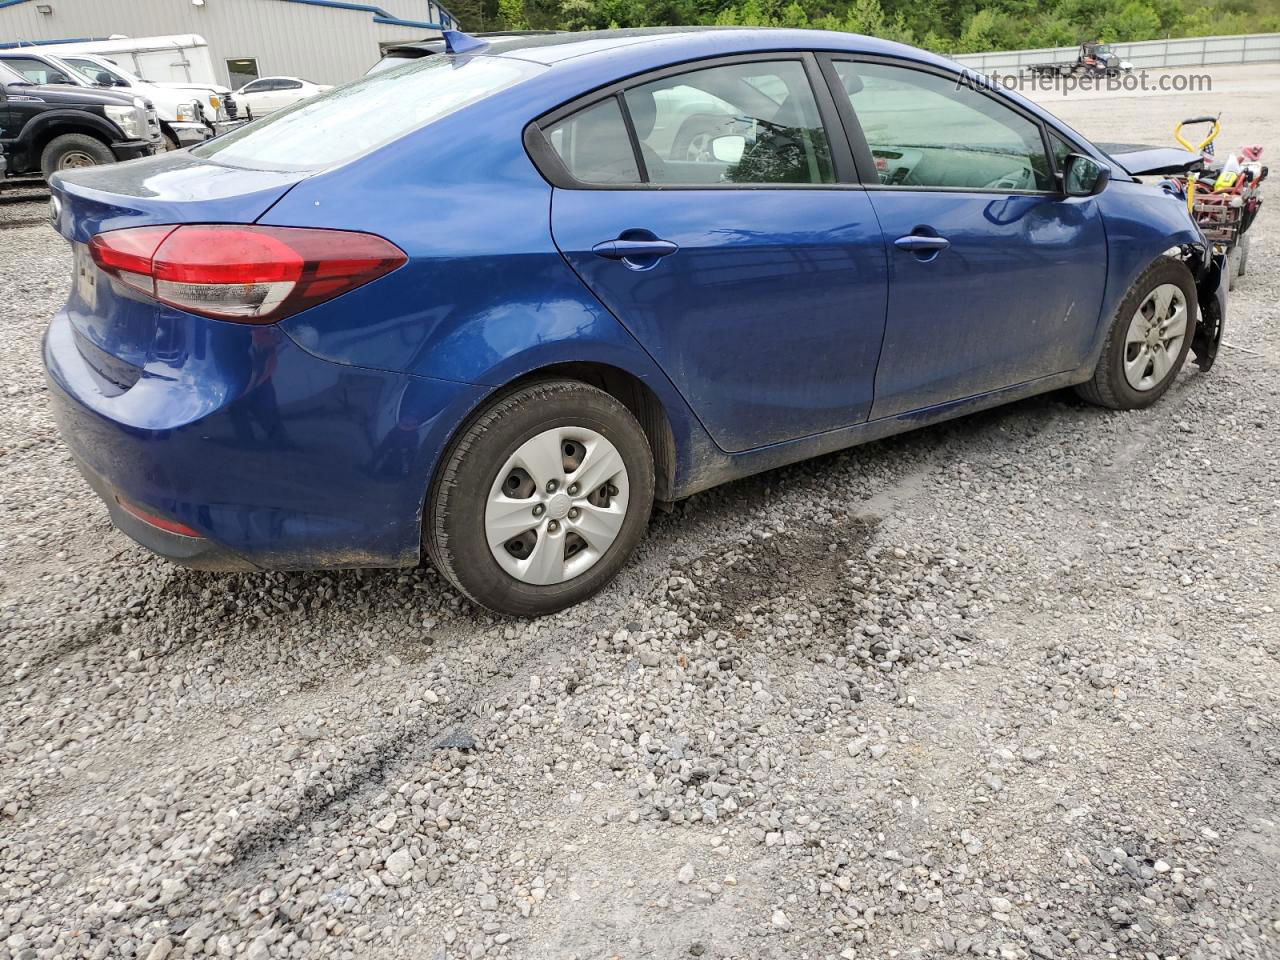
[{"x": 1210, "y": 272}]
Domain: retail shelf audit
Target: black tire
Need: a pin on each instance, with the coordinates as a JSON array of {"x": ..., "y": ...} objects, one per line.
[
  {"x": 59, "y": 149},
  {"x": 453, "y": 530},
  {"x": 1108, "y": 386}
]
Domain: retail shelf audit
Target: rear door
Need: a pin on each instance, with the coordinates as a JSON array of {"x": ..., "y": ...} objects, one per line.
[
  {"x": 995, "y": 277},
  {"x": 713, "y": 210}
]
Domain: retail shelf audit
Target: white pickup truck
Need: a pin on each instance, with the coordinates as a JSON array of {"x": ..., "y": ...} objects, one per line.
[{"x": 189, "y": 113}]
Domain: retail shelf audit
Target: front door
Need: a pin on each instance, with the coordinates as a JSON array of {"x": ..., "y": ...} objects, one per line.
[
  {"x": 725, "y": 245},
  {"x": 995, "y": 277}
]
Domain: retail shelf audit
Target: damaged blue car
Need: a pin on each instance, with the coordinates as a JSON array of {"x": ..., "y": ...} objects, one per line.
[{"x": 490, "y": 306}]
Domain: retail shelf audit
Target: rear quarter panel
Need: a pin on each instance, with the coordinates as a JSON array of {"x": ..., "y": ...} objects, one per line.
[{"x": 486, "y": 297}]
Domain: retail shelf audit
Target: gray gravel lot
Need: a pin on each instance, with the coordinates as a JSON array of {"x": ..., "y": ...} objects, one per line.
[{"x": 1007, "y": 687}]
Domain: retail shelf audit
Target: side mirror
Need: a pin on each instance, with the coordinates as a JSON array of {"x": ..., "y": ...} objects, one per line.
[
  {"x": 729, "y": 148},
  {"x": 1084, "y": 176},
  {"x": 105, "y": 79}
]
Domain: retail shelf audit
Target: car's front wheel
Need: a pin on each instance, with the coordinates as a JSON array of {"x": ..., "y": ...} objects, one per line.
[
  {"x": 1148, "y": 340},
  {"x": 541, "y": 499}
]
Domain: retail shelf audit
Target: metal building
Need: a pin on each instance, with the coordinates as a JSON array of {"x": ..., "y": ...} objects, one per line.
[{"x": 325, "y": 41}]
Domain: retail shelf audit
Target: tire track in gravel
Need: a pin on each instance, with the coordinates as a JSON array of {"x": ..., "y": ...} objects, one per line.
[{"x": 781, "y": 561}]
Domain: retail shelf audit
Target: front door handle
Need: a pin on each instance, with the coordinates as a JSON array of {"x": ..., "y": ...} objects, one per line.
[
  {"x": 633, "y": 249},
  {"x": 916, "y": 241}
]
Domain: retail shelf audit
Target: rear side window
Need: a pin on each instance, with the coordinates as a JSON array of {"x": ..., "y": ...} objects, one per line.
[
  {"x": 754, "y": 123},
  {"x": 743, "y": 123},
  {"x": 352, "y": 120},
  {"x": 925, "y": 130},
  {"x": 594, "y": 145}
]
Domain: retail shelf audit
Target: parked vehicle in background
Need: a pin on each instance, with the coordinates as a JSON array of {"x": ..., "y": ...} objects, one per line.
[
  {"x": 491, "y": 305},
  {"x": 180, "y": 62},
  {"x": 182, "y": 116},
  {"x": 216, "y": 107},
  {"x": 177, "y": 58},
  {"x": 50, "y": 127},
  {"x": 267, "y": 94},
  {"x": 1094, "y": 59}
]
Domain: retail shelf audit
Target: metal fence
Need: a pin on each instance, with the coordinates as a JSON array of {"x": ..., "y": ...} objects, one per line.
[{"x": 1148, "y": 54}]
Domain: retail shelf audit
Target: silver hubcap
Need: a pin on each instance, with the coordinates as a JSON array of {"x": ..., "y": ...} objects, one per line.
[
  {"x": 556, "y": 506},
  {"x": 1155, "y": 336},
  {"x": 76, "y": 158}
]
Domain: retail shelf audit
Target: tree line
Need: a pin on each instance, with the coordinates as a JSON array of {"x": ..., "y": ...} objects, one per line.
[{"x": 944, "y": 26}]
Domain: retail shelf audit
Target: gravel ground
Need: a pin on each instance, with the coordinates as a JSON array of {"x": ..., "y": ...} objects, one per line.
[{"x": 1007, "y": 687}]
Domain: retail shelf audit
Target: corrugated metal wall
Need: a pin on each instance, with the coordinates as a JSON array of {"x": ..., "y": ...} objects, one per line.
[{"x": 320, "y": 43}]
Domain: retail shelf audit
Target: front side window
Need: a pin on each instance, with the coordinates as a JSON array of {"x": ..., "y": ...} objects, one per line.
[
  {"x": 742, "y": 123},
  {"x": 926, "y": 131},
  {"x": 37, "y": 71},
  {"x": 90, "y": 70},
  {"x": 342, "y": 124},
  {"x": 1061, "y": 150}
]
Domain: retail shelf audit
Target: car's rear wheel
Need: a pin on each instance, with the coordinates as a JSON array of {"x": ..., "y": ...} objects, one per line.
[
  {"x": 1148, "y": 340},
  {"x": 71, "y": 151},
  {"x": 541, "y": 499}
]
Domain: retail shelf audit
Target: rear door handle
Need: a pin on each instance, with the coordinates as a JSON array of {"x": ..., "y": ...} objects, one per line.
[
  {"x": 629, "y": 249},
  {"x": 916, "y": 241}
]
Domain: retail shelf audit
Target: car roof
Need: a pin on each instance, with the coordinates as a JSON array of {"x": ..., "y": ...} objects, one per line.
[
  {"x": 695, "y": 41},
  {"x": 552, "y": 47}
]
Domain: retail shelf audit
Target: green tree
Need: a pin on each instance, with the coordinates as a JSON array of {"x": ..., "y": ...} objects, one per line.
[
  {"x": 986, "y": 30},
  {"x": 794, "y": 15},
  {"x": 1133, "y": 21},
  {"x": 945, "y": 26},
  {"x": 511, "y": 13},
  {"x": 866, "y": 17}
]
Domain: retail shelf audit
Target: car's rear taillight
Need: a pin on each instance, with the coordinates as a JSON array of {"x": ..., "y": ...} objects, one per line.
[{"x": 247, "y": 273}]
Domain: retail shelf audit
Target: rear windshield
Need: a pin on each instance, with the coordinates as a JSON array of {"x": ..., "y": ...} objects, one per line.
[
  {"x": 391, "y": 61},
  {"x": 337, "y": 126}
]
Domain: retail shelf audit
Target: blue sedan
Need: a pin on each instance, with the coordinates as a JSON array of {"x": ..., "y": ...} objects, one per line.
[{"x": 495, "y": 303}]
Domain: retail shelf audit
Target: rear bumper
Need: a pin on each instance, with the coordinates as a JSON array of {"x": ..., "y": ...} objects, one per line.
[
  {"x": 198, "y": 553},
  {"x": 276, "y": 458}
]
